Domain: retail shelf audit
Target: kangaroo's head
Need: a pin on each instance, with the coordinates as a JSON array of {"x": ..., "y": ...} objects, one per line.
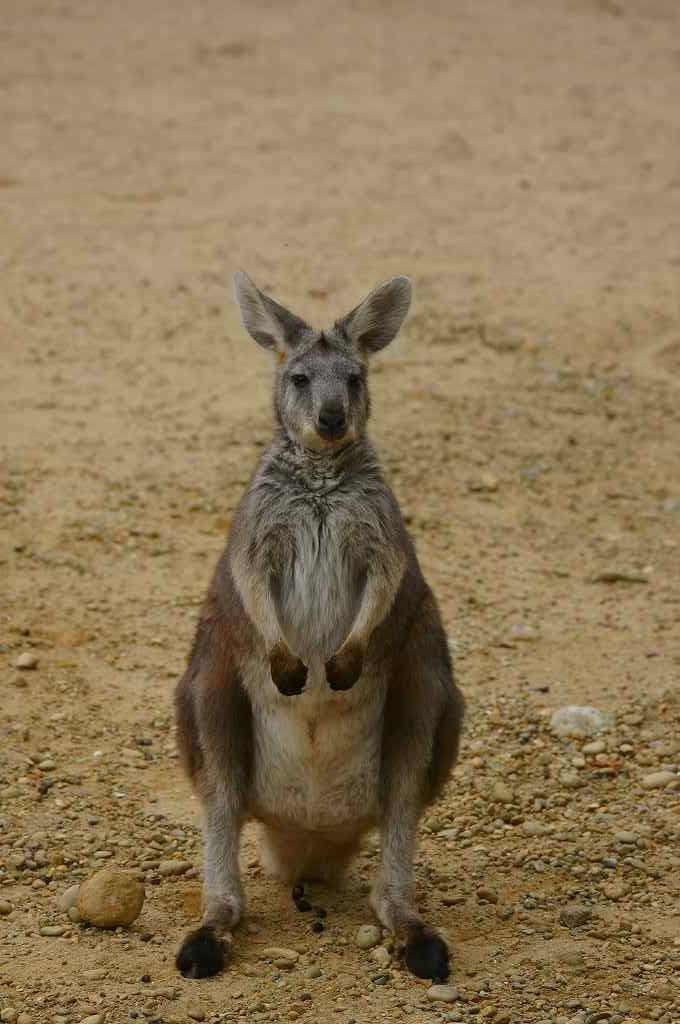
[{"x": 321, "y": 386}]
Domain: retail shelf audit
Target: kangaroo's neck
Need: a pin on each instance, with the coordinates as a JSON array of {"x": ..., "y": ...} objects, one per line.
[{"x": 319, "y": 470}]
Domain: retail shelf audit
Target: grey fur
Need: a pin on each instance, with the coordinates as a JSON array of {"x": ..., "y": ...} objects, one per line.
[{"x": 319, "y": 696}]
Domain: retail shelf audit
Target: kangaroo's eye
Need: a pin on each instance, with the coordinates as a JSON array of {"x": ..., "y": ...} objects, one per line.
[{"x": 299, "y": 380}]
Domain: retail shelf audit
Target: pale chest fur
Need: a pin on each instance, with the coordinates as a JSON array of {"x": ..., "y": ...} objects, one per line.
[
  {"x": 317, "y": 755},
  {"x": 320, "y": 583}
]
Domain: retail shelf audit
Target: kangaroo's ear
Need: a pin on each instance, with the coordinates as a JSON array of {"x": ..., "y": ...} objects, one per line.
[
  {"x": 375, "y": 322},
  {"x": 271, "y": 325}
]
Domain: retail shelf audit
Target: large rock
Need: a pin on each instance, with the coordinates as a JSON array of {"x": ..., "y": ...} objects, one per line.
[{"x": 110, "y": 898}]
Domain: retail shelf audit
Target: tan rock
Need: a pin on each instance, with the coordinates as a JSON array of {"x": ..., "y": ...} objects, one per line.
[{"x": 110, "y": 898}]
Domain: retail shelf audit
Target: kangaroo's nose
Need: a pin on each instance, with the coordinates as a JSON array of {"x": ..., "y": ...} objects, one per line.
[{"x": 332, "y": 418}]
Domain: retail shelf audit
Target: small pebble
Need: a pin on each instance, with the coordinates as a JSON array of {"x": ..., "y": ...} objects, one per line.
[
  {"x": 313, "y": 972},
  {"x": 368, "y": 936},
  {"x": 574, "y": 915},
  {"x": 52, "y": 930},
  {"x": 5, "y": 908},
  {"x": 442, "y": 993},
  {"x": 486, "y": 482},
  {"x": 381, "y": 956},
  {"x": 97, "y": 974},
  {"x": 195, "y": 1013},
  {"x": 502, "y": 793},
  {"x": 534, "y": 828},
  {"x": 628, "y": 838},
  {"x": 167, "y": 868},
  {"x": 68, "y": 898},
  {"x": 94, "y": 1018},
  {"x": 615, "y": 890},
  {"x": 596, "y": 747},
  {"x": 487, "y": 894},
  {"x": 658, "y": 780},
  {"x": 523, "y": 633},
  {"x": 280, "y": 953},
  {"x": 27, "y": 660}
]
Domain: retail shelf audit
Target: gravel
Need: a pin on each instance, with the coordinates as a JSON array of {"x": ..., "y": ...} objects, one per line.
[{"x": 545, "y": 852}]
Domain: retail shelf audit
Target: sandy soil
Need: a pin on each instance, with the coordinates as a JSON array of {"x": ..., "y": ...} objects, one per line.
[{"x": 520, "y": 162}]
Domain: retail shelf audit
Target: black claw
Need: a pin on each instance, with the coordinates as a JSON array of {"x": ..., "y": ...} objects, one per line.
[
  {"x": 201, "y": 955},
  {"x": 303, "y": 905},
  {"x": 427, "y": 956},
  {"x": 298, "y": 891}
]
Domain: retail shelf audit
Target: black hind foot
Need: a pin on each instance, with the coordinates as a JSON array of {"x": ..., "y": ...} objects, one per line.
[
  {"x": 201, "y": 954},
  {"x": 426, "y": 955}
]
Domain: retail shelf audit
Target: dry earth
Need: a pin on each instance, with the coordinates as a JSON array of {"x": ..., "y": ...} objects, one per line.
[{"x": 521, "y": 161}]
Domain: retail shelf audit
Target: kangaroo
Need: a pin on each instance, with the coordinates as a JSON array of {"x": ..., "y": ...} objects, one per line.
[{"x": 319, "y": 697}]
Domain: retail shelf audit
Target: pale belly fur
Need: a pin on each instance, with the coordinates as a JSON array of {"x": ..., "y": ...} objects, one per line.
[{"x": 317, "y": 755}]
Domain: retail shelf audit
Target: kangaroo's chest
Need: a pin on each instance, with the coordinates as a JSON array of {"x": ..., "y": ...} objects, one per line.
[{"x": 320, "y": 583}]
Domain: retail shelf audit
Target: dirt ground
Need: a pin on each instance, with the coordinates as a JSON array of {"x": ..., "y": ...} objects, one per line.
[{"x": 520, "y": 161}]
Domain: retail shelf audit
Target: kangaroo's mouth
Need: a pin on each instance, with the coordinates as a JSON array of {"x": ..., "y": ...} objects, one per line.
[
  {"x": 331, "y": 433},
  {"x": 319, "y": 440}
]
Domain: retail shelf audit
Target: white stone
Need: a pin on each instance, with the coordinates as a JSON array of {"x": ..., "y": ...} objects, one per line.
[
  {"x": 576, "y": 720},
  {"x": 368, "y": 936},
  {"x": 658, "y": 780},
  {"x": 68, "y": 898},
  {"x": 442, "y": 993},
  {"x": 27, "y": 660}
]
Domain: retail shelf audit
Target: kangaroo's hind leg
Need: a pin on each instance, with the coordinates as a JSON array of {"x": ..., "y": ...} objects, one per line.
[
  {"x": 423, "y": 718},
  {"x": 214, "y": 735}
]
